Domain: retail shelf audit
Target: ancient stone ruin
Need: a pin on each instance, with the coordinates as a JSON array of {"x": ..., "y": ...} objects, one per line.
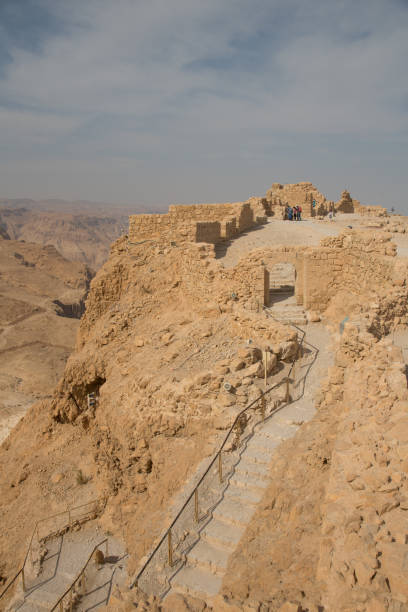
[{"x": 214, "y": 223}]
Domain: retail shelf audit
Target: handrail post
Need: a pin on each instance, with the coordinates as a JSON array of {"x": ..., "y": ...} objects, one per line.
[
  {"x": 220, "y": 466},
  {"x": 263, "y": 406},
  {"x": 61, "y": 606},
  {"x": 23, "y": 579},
  {"x": 106, "y": 551},
  {"x": 287, "y": 396},
  {"x": 170, "y": 548},
  {"x": 196, "y": 505},
  {"x": 70, "y": 600}
]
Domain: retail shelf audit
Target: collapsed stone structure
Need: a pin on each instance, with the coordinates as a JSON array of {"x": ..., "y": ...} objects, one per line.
[{"x": 214, "y": 223}]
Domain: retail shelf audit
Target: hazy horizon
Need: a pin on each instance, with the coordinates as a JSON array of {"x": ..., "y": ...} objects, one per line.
[{"x": 151, "y": 102}]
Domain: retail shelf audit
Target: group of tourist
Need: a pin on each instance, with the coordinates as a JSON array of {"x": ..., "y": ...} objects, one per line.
[{"x": 293, "y": 213}]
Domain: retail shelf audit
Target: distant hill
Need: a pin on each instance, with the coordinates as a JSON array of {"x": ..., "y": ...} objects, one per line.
[
  {"x": 81, "y": 231},
  {"x": 41, "y": 298},
  {"x": 79, "y": 206}
]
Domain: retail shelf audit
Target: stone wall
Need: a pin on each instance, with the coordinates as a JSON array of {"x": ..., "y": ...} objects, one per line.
[
  {"x": 225, "y": 221},
  {"x": 296, "y": 194},
  {"x": 303, "y": 194},
  {"x": 166, "y": 228},
  {"x": 354, "y": 261},
  {"x": 210, "y": 223}
]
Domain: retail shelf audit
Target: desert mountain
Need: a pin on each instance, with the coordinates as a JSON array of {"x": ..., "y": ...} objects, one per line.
[
  {"x": 81, "y": 231},
  {"x": 41, "y": 300}
]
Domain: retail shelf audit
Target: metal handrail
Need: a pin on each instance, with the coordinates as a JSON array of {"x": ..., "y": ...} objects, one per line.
[
  {"x": 73, "y": 583},
  {"x": 36, "y": 529},
  {"x": 167, "y": 533}
]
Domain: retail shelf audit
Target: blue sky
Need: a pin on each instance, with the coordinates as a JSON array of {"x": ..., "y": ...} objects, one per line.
[{"x": 161, "y": 101}]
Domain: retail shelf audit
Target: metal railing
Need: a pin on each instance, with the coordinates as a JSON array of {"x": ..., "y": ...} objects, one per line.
[
  {"x": 169, "y": 555},
  {"x": 53, "y": 525},
  {"x": 76, "y": 589}
]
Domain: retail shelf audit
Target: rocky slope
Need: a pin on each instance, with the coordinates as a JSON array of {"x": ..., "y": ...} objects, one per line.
[
  {"x": 330, "y": 531},
  {"x": 160, "y": 336}
]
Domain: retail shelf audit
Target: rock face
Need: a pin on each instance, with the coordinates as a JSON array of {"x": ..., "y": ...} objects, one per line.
[{"x": 331, "y": 530}]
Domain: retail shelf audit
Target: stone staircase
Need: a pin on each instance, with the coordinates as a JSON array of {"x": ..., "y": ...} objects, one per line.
[
  {"x": 206, "y": 562},
  {"x": 65, "y": 557},
  {"x": 282, "y": 299},
  {"x": 283, "y": 307}
]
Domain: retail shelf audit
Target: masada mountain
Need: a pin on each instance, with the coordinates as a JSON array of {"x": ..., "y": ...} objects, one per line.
[{"x": 204, "y": 409}]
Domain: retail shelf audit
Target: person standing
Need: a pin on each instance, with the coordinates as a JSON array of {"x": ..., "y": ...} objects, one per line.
[{"x": 299, "y": 215}]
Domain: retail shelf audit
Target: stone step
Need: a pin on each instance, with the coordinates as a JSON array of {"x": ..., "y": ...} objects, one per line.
[
  {"x": 243, "y": 482},
  {"x": 223, "y": 535},
  {"x": 209, "y": 557},
  {"x": 45, "y": 595},
  {"x": 233, "y": 512},
  {"x": 294, "y": 413},
  {"x": 29, "y": 606},
  {"x": 286, "y": 315},
  {"x": 263, "y": 444},
  {"x": 275, "y": 430},
  {"x": 254, "y": 455},
  {"x": 290, "y": 302},
  {"x": 287, "y": 307},
  {"x": 244, "y": 495},
  {"x": 248, "y": 468},
  {"x": 289, "y": 318},
  {"x": 196, "y": 582}
]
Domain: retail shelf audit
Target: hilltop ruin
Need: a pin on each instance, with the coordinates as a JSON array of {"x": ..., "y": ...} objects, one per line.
[
  {"x": 174, "y": 345},
  {"x": 214, "y": 223}
]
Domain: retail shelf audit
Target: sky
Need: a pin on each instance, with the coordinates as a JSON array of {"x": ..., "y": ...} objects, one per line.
[{"x": 178, "y": 101}]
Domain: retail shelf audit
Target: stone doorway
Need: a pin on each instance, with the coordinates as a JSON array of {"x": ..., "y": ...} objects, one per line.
[
  {"x": 282, "y": 280},
  {"x": 282, "y": 298}
]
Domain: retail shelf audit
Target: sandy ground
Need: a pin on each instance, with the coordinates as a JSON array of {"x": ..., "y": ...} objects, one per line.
[{"x": 276, "y": 232}]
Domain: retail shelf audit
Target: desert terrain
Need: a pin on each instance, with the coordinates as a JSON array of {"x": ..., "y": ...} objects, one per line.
[
  {"x": 223, "y": 336},
  {"x": 41, "y": 300},
  {"x": 42, "y": 293},
  {"x": 81, "y": 231}
]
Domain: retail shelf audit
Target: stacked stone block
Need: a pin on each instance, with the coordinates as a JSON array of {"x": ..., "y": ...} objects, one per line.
[{"x": 194, "y": 223}]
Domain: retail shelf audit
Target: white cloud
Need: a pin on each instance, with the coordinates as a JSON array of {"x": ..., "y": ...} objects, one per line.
[{"x": 187, "y": 80}]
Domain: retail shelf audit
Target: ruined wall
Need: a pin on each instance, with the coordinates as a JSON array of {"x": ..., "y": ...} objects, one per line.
[
  {"x": 372, "y": 211},
  {"x": 303, "y": 194},
  {"x": 167, "y": 228},
  {"x": 194, "y": 223},
  {"x": 356, "y": 262},
  {"x": 180, "y": 223},
  {"x": 295, "y": 194}
]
